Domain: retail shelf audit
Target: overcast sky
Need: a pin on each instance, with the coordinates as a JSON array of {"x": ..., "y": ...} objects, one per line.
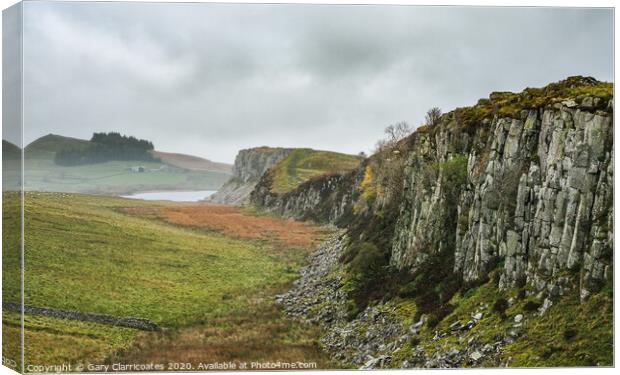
[{"x": 210, "y": 79}]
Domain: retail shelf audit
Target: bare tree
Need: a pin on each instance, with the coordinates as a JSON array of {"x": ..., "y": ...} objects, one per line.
[
  {"x": 433, "y": 116},
  {"x": 397, "y": 131},
  {"x": 392, "y": 154},
  {"x": 394, "y": 133}
]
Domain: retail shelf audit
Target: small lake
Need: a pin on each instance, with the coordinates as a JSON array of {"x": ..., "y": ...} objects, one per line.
[{"x": 175, "y": 196}]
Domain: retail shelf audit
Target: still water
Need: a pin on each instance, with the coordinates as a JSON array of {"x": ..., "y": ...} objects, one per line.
[{"x": 175, "y": 196}]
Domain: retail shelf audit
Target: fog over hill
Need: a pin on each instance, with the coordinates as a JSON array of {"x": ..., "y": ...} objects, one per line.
[
  {"x": 226, "y": 77},
  {"x": 86, "y": 167}
]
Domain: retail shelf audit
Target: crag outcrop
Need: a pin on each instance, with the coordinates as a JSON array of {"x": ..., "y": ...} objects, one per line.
[
  {"x": 250, "y": 165},
  {"x": 486, "y": 231}
]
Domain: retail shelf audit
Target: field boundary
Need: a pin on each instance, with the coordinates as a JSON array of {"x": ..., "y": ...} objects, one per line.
[{"x": 129, "y": 322}]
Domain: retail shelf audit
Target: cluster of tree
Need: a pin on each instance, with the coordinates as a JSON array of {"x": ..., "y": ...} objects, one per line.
[{"x": 106, "y": 147}]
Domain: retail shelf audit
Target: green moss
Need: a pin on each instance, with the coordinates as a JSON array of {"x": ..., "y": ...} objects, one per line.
[
  {"x": 569, "y": 334},
  {"x": 314, "y": 310},
  {"x": 509, "y": 104},
  {"x": 369, "y": 195},
  {"x": 469, "y": 118},
  {"x": 406, "y": 311},
  {"x": 402, "y": 354},
  {"x": 455, "y": 171}
]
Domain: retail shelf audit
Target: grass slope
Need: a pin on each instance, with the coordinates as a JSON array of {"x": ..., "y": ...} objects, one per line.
[
  {"x": 303, "y": 164},
  {"x": 52, "y": 341},
  {"x": 111, "y": 255},
  {"x": 10, "y": 150},
  {"x": 47, "y": 146},
  {"x": 11, "y": 254},
  {"x": 191, "y": 162},
  {"x": 173, "y": 172},
  {"x": 570, "y": 333},
  {"x": 115, "y": 177}
]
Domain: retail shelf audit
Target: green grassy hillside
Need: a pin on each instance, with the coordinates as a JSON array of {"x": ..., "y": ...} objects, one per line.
[
  {"x": 78, "y": 258},
  {"x": 86, "y": 253},
  {"x": 47, "y": 146},
  {"x": 191, "y": 162},
  {"x": 570, "y": 333},
  {"x": 114, "y": 177},
  {"x": 304, "y": 163},
  {"x": 11, "y": 166},
  {"x": 10, "y": 150}
]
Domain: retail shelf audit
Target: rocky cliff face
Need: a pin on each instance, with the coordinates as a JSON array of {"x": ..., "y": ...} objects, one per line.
[
  {"x": 510, "y": 199},
  {"x": 538, "y": 198},
  {"x": 324, "y": 199},
  {"x": 250, "y": 165}
]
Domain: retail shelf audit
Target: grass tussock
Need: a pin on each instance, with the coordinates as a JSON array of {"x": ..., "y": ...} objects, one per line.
[
  {"x": 51, "y": 340},
  {"x": 258, "y": 333}
]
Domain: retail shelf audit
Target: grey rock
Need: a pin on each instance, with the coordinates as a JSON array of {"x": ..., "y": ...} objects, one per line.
[
  {"x": 249, "y": 167},
  {"x": 119, "y": 321},
  {"x": 569, "y": 103},
  {"x": 476, "y": 355},
  {"x": 518, "y": 318},
  {"x": 546, "y": 304},
  {"x": 374, "y": 363}
]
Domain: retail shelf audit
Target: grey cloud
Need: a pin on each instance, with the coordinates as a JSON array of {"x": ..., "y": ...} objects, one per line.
[
  {"x": 210, "y": 79},
  {"x": 11, "y": 73}
]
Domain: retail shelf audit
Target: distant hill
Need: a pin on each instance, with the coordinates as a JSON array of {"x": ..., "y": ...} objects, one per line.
[
  {"x": 47, "y": 146},
  {"x": 115, "y": 177},
  {"x": 190, "y": 162},
  {"x": 303, "y": 164},
  {"x": 10, "y": 151}
]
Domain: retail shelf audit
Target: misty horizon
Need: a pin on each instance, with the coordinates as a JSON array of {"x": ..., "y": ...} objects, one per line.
[{"x": 212, "y": 79}]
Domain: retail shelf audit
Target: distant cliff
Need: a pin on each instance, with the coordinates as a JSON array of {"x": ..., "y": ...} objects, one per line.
[
  {"x": 250, "y": 165},
  {"x": 278, "y": 171}
]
